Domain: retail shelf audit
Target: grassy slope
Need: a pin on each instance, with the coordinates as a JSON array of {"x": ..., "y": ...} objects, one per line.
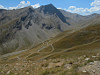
[
  {"x": 67, "y": 45},
  {"x": 84, "y": 39},
  {"x": 87, "y": 39},
  {"x": 80, "y": 37},
  {"x": 83, "y": 42}
]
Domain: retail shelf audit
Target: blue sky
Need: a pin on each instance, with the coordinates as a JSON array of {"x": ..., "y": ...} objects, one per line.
[{"x": 83, "y": 7}]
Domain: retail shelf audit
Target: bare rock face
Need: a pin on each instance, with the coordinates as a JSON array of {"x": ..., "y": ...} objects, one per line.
[
  {"x": 51, "y": 10},
  {"x": 25, "y": 28}
]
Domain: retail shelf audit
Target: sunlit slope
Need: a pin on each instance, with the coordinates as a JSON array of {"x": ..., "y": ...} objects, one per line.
[
  {"x": 81, "y": 37},
  {"x": 85, "y": 41}
]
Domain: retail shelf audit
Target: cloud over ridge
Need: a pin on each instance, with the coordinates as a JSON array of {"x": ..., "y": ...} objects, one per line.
[
  {"x": 95, "y": 8},
  {"x": 22, "y": 4}
]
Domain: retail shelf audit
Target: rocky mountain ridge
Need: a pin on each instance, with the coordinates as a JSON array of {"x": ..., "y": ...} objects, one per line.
[{"x": 27, "y": 27}]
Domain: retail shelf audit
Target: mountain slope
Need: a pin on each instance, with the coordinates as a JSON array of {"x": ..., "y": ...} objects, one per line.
[
  {"x": 63, "y": 54},
  {"x": 51, "y": 10},
  {"x": 77, "y": 20},
  {"x": 25, "y": 28},
  {"x": 86, "y": 39}
]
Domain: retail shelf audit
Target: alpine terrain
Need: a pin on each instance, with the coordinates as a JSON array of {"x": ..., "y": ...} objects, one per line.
[{"x": 49, "y": 41}]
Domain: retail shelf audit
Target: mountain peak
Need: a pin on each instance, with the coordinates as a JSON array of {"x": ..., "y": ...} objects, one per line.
[
  {"x": 47, "y": 8},
  {"x": 50, "y": 5},
  {"x": 51, "y": 10}
]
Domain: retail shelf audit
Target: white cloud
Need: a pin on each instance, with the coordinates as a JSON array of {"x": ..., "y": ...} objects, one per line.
[
  {"x": 72, "y": 7},
  {"x": 22, "y": 4},
  {"x": 95, "y": 3},
  {"x": 59, "y": 8},
  {"x": 95, "y": 7},
  {"x": 2, "y": 7},
  {"x": 36, "y": 5}
]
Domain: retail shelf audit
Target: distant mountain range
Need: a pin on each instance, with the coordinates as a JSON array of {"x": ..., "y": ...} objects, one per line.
[{"x": 27, "y": 27}]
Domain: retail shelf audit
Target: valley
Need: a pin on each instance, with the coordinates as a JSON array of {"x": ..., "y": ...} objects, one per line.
[{"x": 49, "y": 41}]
